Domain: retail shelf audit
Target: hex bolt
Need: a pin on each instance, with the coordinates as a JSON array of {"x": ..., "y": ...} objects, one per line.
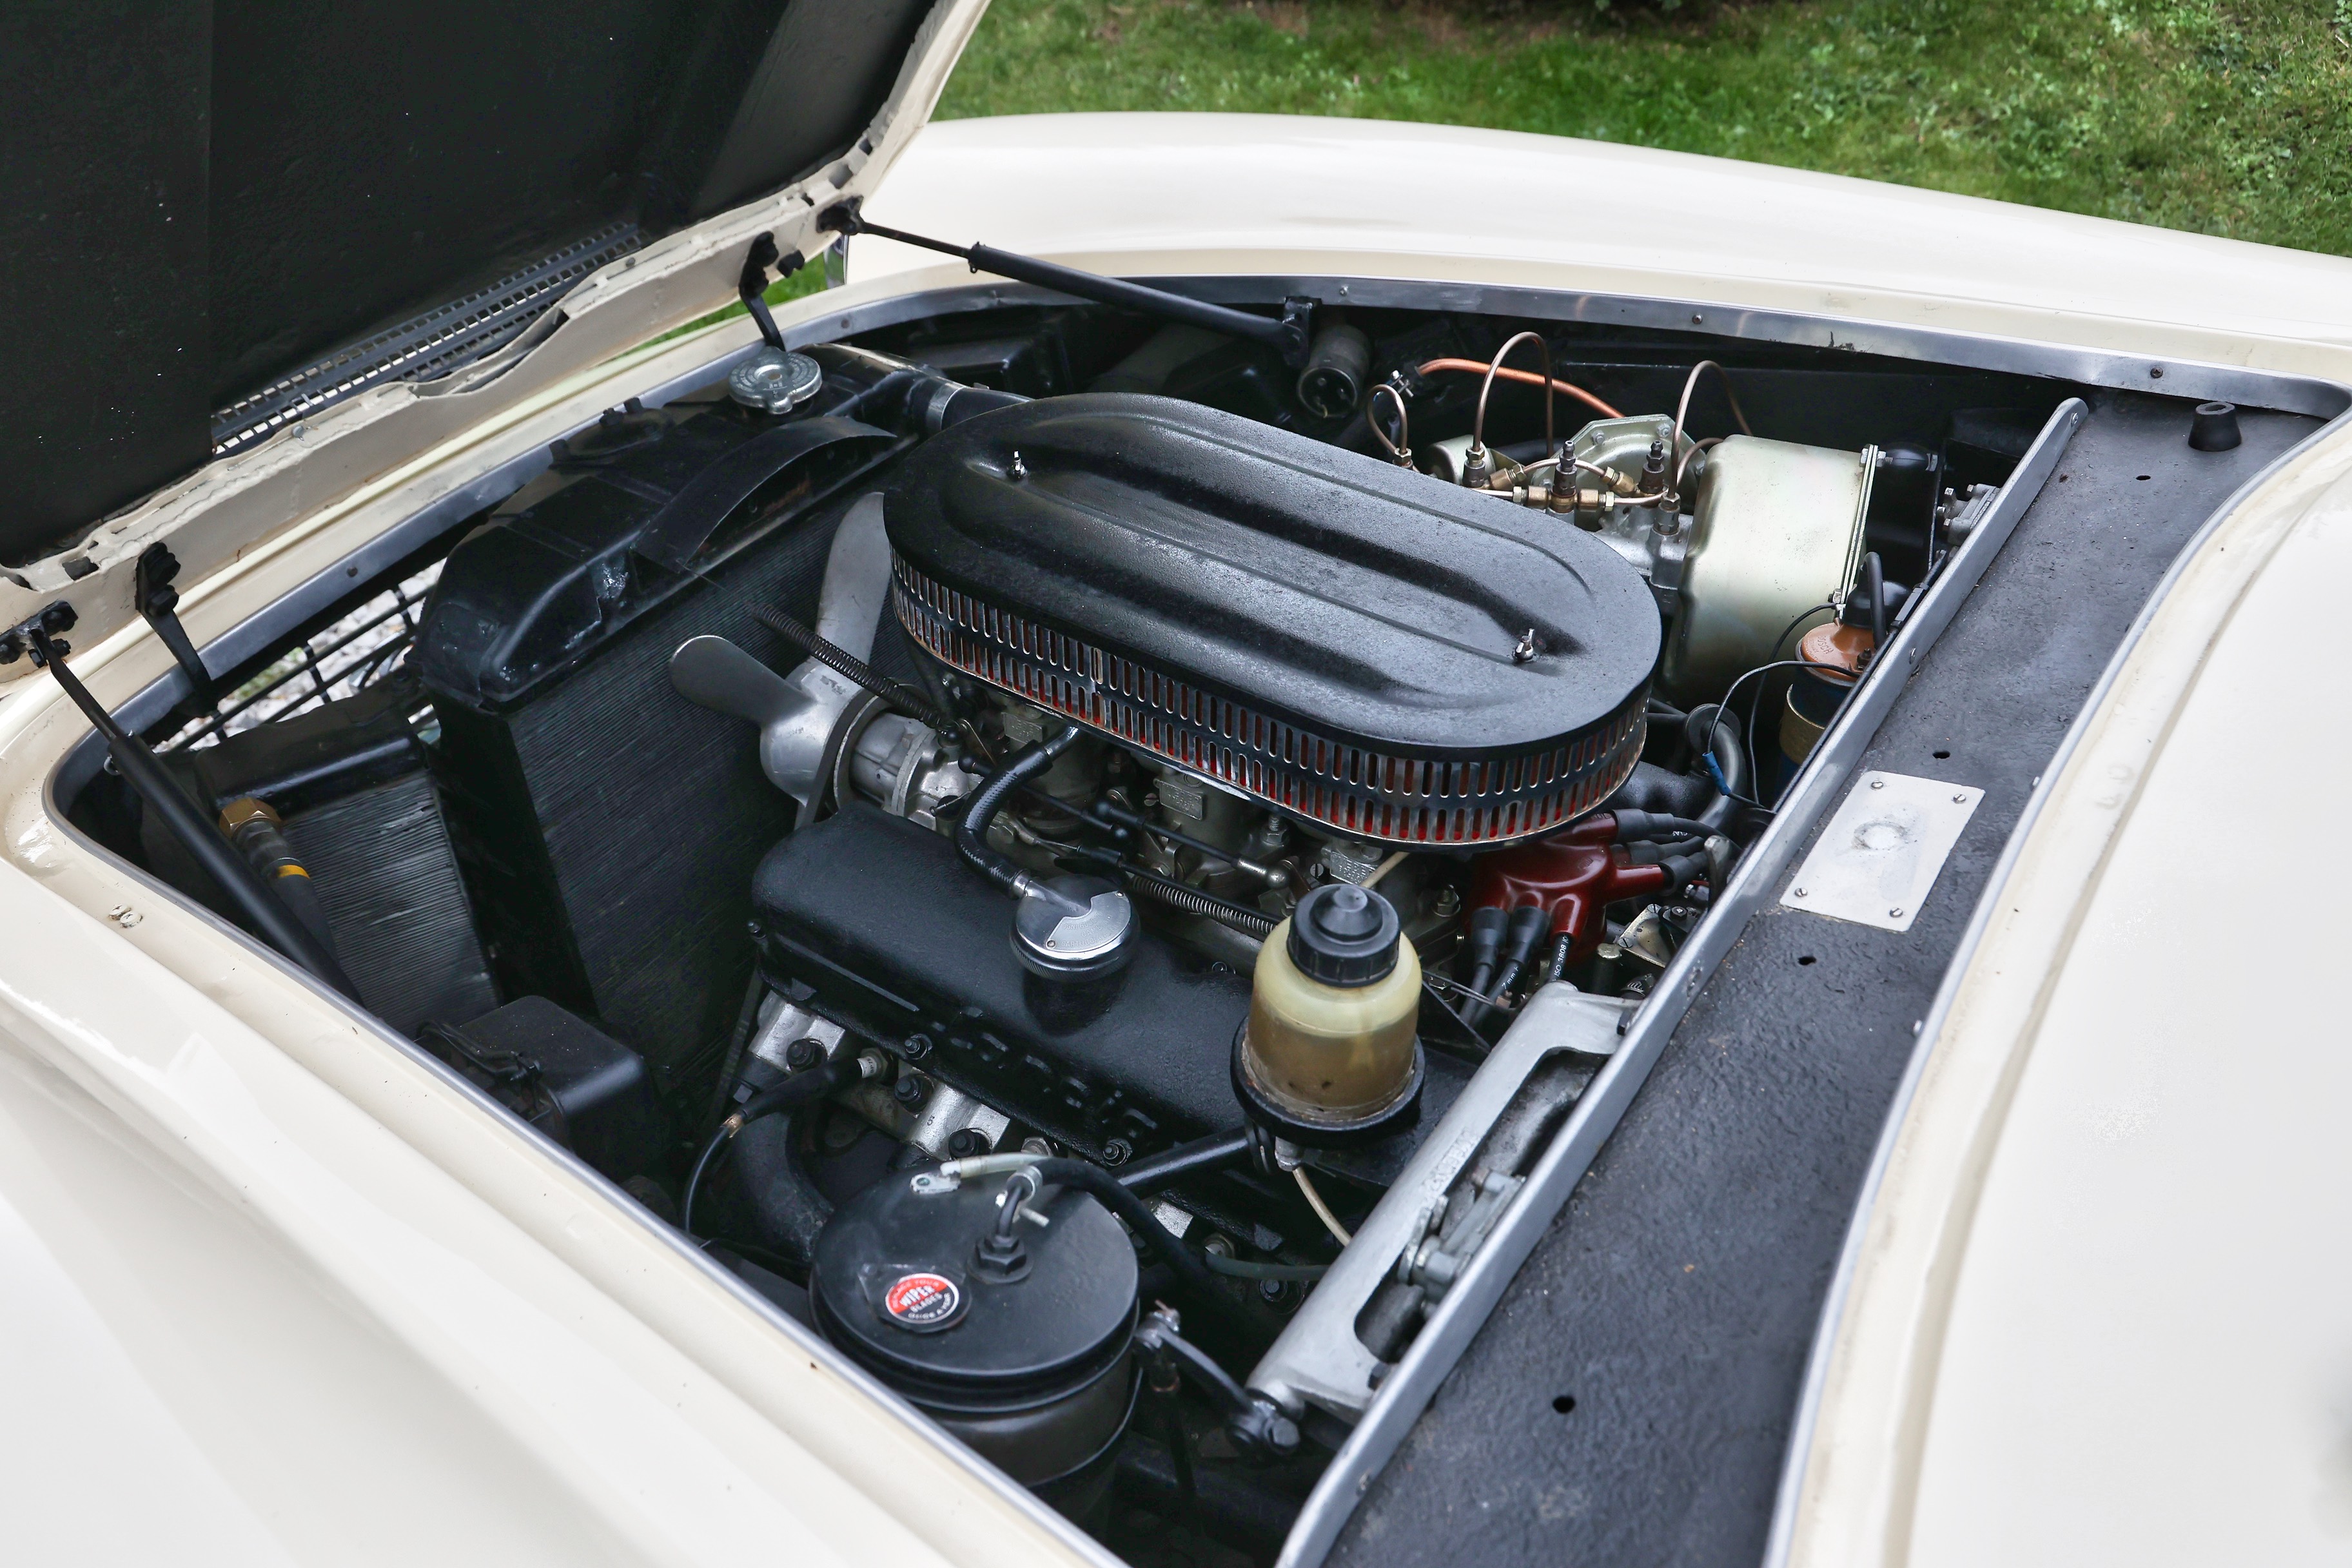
[
  {"x": 966, "y": 1143},
  {"x": 916, "y": 1048},
  {"x": 803, "y": 1054},
  {"x": 1117, "y": 1151},
  {"x": 910, "y": 1090}
]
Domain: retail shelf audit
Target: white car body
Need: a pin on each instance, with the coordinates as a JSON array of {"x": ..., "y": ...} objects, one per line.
[{"x": 277, "y": 1291}]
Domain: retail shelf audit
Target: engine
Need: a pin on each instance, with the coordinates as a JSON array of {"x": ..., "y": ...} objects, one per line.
[{"x": 1093, "y": 900}]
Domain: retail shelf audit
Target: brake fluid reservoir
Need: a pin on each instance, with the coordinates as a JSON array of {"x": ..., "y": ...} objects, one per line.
[{"x": 1330, "y": 1053}]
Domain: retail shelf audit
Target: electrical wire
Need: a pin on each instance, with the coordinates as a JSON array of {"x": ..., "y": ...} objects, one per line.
[
  {"x": 1527, "y": 378},
  {"x": 1733, "y": 688},
  {"x": 1322, "y": 1210}
]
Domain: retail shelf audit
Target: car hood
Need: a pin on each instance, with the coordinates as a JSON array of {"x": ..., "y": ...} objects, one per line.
[{"x": 242, "y": 211}]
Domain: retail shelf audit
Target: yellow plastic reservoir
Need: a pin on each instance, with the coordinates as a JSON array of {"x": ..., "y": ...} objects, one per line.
[{"x": 1335, "y": 1007}]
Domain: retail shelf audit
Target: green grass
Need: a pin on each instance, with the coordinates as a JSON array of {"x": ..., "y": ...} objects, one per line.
[{"x": 2225, "y": 116}]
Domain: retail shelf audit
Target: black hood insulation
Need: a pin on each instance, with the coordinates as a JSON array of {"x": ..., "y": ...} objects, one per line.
[
  {"x": 219, "y": 214},
  {"x": 1357, "y": 647}
]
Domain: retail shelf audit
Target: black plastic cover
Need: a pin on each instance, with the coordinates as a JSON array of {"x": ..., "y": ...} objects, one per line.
[
  {"x": 577, "y": 1084},
  {"x": 898, "y": 1285},
  {"x": 1382, "y": 653},
  {"x": 616, "y": 529}
]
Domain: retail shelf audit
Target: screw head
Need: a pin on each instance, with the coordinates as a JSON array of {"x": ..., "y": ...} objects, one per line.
[
  {"x": 1894, "y": 915},
  {"x": 1118, "y": 1151},
  {"x": 1878, "y": 783},
  {"x": 1796, "y": 892},
  {"x": 1960, "y": 800}
]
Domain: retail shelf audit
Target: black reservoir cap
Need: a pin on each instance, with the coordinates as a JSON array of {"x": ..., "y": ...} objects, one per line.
[{"x": 1344, "y": 935}]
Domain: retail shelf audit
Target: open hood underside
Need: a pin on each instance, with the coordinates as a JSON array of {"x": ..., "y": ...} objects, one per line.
[{"x": 216, "y": 208}]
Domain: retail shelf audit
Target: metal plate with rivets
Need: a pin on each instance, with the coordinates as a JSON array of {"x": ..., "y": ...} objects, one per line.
[{"x": 1877, "y": 858}]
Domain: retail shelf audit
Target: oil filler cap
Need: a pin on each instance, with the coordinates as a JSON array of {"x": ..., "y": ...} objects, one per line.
[{"x": 1344, "y": 935}]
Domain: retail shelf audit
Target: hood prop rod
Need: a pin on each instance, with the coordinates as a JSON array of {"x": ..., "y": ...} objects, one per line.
[
  {"x": 1287, "y": 336},
  {"x": 42, "y": 638}
]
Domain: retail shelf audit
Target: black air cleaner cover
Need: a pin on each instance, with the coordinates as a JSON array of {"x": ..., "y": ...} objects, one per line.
[{"x": 1325, "y": 631}]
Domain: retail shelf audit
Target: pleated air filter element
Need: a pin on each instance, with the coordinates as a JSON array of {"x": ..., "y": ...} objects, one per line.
[{"x": 1366, "y": 648}]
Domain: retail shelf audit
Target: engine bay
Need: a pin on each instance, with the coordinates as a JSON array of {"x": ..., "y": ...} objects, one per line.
[{"x": 1085, "y": 858}]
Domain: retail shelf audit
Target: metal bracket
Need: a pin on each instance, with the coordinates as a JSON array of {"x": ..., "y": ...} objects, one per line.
[{"x": 25, "y": 637}]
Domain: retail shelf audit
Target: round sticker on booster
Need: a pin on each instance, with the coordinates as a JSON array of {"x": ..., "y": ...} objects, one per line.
[{"x": 921, "y": 1302}]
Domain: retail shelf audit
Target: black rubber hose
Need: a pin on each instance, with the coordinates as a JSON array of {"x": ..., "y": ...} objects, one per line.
[
  {"x": 1215, "y": 1152},
  {"x": 971, "y": 829},
  {"x": 279, "y": 925},
  {"x": 775, "y": 1202},
  {"x": 1634, "y": 826},
  {"x": 1654, "y": 789},
  {"x": 1190, "y": 1271},
  {"x": 1731, "y": 760}
]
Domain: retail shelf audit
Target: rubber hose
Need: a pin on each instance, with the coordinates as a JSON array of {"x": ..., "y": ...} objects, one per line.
[
  {"x": 972, "y": 831},
  {"x": 1189, "y": 1269}
]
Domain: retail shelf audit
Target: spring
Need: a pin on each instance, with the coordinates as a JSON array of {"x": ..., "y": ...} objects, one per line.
[{"x": 1176, "y": 895}]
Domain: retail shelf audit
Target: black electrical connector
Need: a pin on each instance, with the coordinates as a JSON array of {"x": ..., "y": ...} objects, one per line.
[
  {"x": 1485, "y": 946},
  {"x": 1523, "y": 928}
]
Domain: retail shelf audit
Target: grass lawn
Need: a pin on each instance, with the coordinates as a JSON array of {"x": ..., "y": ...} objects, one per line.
[{"x": 2228, "y": 117}]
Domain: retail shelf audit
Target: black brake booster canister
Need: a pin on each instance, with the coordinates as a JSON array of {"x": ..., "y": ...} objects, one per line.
[{"x": 1004, "y": 1313}]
